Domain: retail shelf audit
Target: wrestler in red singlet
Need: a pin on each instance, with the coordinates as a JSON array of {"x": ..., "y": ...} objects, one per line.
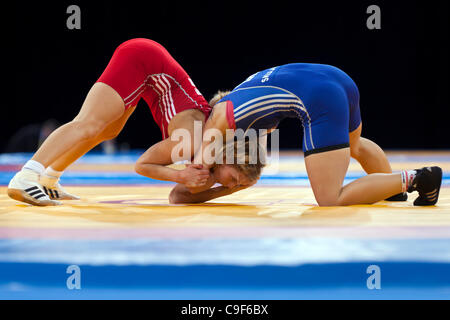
[{"x": 142, "y": 68}]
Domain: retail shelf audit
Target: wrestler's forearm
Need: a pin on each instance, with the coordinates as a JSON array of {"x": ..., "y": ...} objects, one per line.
[
  {"x": 181, "y": 194},
  {"x": 158, "y": 172},
  {"x": 152, "y": 163}
]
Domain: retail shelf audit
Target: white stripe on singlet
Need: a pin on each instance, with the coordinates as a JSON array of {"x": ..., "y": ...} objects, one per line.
[
  {"x": 164, "y": 92},
  {"x": 172, "y": 106}
]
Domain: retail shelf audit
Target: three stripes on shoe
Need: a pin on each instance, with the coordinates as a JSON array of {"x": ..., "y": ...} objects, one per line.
[
  {"x": 37, "y": 193},
  {"x": 431, "y": 196}
]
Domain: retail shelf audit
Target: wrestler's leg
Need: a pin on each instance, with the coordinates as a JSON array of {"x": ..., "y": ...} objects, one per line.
[
  {"x": 103, "y": 106},
  {"x": 110, "y": 132},
  {"x": 371, "y": 157},
  {"x": 326, "y": 172}
]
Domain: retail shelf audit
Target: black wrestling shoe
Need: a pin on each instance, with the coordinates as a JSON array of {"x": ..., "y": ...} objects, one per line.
[
  {"x": 398, "y": 197},
  {"x": 428, "y": 183}
]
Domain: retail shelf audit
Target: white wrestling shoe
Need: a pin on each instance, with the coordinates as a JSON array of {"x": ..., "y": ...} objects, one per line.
[
  {"x": 54, "y": 190},
  {"x": 25, "y": 187},
  {"x": 58, "y": 193}
]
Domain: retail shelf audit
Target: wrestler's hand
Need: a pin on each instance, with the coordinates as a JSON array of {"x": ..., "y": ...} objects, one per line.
[{"x": 194, "y": 175}]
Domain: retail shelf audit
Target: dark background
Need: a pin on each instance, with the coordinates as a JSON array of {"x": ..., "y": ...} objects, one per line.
[{"x": 401, "y": 70}]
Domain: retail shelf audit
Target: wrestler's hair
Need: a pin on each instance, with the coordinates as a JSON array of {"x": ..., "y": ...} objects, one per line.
[
  {"x": 219, "y": 95},
  {"x": 253, "y": 162}
]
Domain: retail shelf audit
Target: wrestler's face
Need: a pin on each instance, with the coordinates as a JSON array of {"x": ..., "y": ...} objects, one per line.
[{"x": 230, "y": 177}]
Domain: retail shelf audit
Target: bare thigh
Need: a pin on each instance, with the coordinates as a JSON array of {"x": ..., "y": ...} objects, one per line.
[
  {"x": 102, "y": 104},
  {"x": 326, "y": 172},
  {"x": 355, "y": 137},
  {"x": 114, "y": 128}
]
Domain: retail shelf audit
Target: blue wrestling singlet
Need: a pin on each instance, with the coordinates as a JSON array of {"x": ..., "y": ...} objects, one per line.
[{"x": 323, "y": 97}]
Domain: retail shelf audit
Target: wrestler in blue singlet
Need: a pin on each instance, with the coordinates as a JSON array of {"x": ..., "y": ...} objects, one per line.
[{"x": 324, "y": 98}]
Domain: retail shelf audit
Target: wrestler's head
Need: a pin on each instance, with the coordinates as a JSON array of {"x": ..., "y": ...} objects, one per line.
[
  {"x": 217, "y": 97},
  {"x": 243, "y": 169}
]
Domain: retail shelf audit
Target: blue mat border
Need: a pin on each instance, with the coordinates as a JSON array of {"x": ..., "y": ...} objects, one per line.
[{"x": 393, "y": 274}]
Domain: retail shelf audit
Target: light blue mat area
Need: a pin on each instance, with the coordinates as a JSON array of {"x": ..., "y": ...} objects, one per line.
[
  {"x": 235, "y": 252},
  {"x": 341, "y": 293},
  {"x": 133, "y": 155}
]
